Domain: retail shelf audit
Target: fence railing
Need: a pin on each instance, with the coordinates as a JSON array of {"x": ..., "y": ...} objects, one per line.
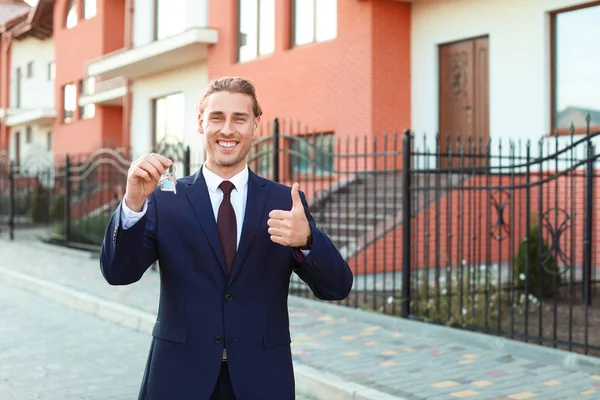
[{"x": 500, "y": 236}]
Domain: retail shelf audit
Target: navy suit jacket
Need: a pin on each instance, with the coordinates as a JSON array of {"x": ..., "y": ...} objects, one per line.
[{"x": 202, "y": 309}]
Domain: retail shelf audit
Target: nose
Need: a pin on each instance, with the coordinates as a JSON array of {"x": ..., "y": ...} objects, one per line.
[{"x": 227, "y": 127}]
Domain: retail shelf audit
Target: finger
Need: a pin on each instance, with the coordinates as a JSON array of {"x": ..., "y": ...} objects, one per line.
[
  {"x": 279, "y": 240},
  {"x": 162, "y": 159},
  {"x": 278, "y": 232},
  {"x": 296, "y": 202},
  {"x": 157, "y": 164},
  {"x": 150, "y": 169},
  {"x": 279, "y": 223},
  {"x": 280, "y": 214},
  {"x": 142, "y": 174}
]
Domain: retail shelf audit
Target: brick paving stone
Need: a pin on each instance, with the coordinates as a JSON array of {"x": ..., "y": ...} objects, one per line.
[
  {"x": 50, "y": 351},
  {"x": 415, "y": 366}
]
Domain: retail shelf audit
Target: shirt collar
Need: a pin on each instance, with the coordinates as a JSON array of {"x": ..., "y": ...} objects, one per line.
[{"x": 213, "y": 180}]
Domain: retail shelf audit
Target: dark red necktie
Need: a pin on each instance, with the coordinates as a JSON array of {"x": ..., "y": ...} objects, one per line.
[{"x": 227, "y": 226}]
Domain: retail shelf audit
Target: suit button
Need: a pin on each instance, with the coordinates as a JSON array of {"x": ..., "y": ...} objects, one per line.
[
  {"x": 228, "y": 297},
  {"x": 218, "y": 339}
]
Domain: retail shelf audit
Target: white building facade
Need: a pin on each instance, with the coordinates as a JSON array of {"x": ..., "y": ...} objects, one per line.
[
  {"x": 166, "y": 69},
  {"x": 32, "y": 109},
  {"x": 505, "y": 69}
]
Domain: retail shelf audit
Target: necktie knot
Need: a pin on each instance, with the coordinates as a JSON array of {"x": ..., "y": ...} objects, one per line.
[{"x": 226, "y": 187}]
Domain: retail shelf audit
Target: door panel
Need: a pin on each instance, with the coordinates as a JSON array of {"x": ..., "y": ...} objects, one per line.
[{"x": 464, "y": 100}]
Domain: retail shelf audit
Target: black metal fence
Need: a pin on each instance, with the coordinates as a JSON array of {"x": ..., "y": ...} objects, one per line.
[{"x": 500, "y": 240}]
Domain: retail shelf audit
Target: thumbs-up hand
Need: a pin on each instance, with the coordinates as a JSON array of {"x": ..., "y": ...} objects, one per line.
[{"x": 290, "y": 228}]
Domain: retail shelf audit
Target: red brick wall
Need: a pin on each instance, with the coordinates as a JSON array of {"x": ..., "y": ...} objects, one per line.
[
  {"x": 465, "y": 219},
  {"x": 355, "y": 85},
  {"x": 74, "y": 47}
]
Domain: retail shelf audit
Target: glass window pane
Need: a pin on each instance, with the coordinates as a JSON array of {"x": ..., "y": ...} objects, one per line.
[
  {"x": 301, "y": 155},
  {"x": 170, "y": 15},
  {"x": 89, "y": 9},
  {"x": 324, "y": 154},
  {"x": 577, "y": 76},
  {"x": 69, "y": 102},
  {"x": 326, "y": 20},
  {"x": 169, "y": 119},
  {"x": 267, "y": 27},
  {"x": 304, "y": 21},
  {"x": 248, "y": 29},
  {"x": 71, "y": 15}
]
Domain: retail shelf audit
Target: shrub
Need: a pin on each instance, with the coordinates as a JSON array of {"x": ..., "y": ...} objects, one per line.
[
  {"x": 40, "y": 202},
  {"x": 543, "y": 271}
]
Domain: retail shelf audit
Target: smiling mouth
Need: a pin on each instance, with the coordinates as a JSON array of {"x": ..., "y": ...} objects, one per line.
[{"x": 226, "y": 144}]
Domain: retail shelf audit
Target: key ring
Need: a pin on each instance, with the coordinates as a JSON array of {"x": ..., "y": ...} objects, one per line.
[{"x": 168, "y": 181}]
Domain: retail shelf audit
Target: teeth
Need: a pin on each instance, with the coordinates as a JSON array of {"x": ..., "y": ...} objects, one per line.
[{"x": 226, "y": 144}]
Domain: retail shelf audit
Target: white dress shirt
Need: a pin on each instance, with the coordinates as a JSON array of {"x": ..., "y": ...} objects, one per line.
[{"x": 239, "y": 196}]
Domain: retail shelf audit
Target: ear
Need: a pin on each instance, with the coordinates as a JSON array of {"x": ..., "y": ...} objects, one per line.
[
  {"x": 200, "y": 128},
  {"x": 256, "y": 126}
]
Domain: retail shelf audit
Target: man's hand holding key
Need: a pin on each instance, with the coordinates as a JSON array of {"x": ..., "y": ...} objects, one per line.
[{"x": 142, "y": 178}]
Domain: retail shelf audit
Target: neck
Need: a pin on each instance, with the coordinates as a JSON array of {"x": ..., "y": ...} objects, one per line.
[{"x": 225, "y": 172}]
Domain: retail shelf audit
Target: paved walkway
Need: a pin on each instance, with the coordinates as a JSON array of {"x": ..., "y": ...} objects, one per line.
[
  {"x": 51, "y": 351},
  {"x": 408, "y": 364}
]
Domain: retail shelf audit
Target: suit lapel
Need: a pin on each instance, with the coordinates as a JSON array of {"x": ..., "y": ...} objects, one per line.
[
  {"x": 255, "y": 204},
  {"x": 197, "y": 193}
]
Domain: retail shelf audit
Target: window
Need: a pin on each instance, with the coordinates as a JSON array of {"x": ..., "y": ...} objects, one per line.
[
  {"x": 314, "y": 21},
  {"x": 18, "y": 77},
  {"x": 28, "y": 134},
  {"x": 256, "y": 36},
  {"x": 30, "y": 70},
  {"x": 575, "y": 77},
  {"x": 69, "y": 102},
  {"x": 168, "y": 16},
  {"x": 89, "y": 9},
  {"x": 86, "y": 88},
  {"x": 71, "y": 19},
  {"x": 49, "y": 141},
  {"x": 312, "y": 154},
  {"x": 51, "y": 71},
  {"x": 169, "y": 117}
]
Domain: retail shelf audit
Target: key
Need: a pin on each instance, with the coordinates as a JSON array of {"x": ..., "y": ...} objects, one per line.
[{"x": 168, "y": 182}]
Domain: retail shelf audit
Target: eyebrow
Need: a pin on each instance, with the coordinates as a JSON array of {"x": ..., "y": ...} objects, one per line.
[{"x": 235, "y": 114}]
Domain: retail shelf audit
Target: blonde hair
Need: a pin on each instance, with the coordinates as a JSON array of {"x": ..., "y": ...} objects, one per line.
[{"x": 232, "y": 84}]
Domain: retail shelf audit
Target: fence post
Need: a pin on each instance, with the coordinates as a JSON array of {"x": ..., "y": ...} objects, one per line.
[
  {"x": 11, "y": 215},
  {"x": 67, "y": 198},
  {"x": 406, "y": 233},
  {"x": 187, "y": 160},
  {"x": 276, "y": 150},
  {"x": 589, "y": 216}
]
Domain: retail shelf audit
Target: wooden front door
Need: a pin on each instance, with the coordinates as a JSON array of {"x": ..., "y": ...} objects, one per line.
[{"x": 464, "y": 101}]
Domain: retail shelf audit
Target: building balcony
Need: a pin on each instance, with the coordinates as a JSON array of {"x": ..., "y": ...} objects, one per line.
[
  {"x": 28, "y": 116},
  {"x": 190, "y": 46},
  {"x": 106, "y": 92}
]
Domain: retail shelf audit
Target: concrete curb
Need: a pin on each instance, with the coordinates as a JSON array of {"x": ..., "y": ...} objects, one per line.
[
  {"x": 547, "y": 355},
  {"x": 309, "y": 381}
]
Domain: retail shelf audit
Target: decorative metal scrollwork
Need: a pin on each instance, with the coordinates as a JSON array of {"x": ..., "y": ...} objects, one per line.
[
  {"x": 458, "y": 74},
  {"x": 501, "y": 229},
  {"x": 562, "y": 222}
]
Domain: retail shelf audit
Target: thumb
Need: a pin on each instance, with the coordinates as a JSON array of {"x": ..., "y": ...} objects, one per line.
[{"x": 296, "y": 202}]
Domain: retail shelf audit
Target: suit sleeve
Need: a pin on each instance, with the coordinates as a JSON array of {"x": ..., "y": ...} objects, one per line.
[
  {"x": 324, "y": 269},
  {"x": 127, "y": 253}
]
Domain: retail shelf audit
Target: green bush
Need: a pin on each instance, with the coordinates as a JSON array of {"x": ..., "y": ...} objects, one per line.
[
  {"x": 39, "y": 206},
  {"x": 543, "y": 271},
  {"x": 57, "y": 211}
]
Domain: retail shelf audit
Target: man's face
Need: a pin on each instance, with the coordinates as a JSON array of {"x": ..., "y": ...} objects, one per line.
[{"x": 229, "y": 126}]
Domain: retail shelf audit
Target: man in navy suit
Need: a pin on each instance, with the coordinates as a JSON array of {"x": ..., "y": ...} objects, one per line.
[{"x": 227, "y": 242}]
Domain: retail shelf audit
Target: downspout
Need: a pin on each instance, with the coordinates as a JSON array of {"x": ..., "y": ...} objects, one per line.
[
  {"x": 6, "y": 87},
  {"x": 128, "y": 100}
]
